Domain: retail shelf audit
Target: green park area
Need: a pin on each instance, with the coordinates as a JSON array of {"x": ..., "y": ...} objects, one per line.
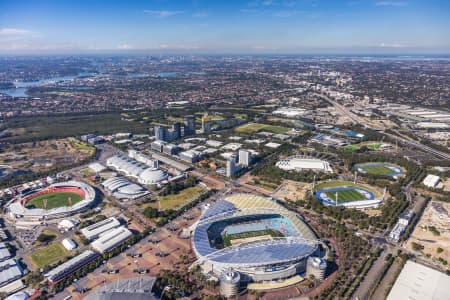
[
  {"x": 256, "y": 127},
  {"x": 48, "y": 255},
  {"x": 54, "y": 200},
  {"x": 173, "y": 201}
]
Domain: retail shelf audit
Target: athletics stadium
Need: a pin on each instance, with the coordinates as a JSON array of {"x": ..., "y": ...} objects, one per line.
[
  {"x": 55, "y": 201},
  {"x": 254, "y": 236},
  {"x": 347, "y": 194}
]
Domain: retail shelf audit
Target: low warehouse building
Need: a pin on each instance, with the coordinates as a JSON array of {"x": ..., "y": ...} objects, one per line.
[
  {"x": 95, "y": 230},
  {"x": 109, "y": 240}
]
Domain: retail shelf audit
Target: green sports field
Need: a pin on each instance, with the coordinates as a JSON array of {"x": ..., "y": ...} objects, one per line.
[
  {"x": 379, "y": 170},
  {"x": 255, "y": 127},
  {"x": 54, "y": 200},
  {"x": 370, "y": 146},
  {"x": 48, "y": 255},
  {"x": 227, "y": 238},
  {"x": 346, "y": 196}
]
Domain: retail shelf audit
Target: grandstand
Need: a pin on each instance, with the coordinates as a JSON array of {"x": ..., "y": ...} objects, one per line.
[
  {"x": 267, "y": 242},
  {"x": 56, "y": 201},
  {"x": 299, "y": 163}
]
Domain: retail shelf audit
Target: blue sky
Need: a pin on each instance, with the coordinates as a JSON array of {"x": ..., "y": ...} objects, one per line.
[{"x": 253, "y": 26}]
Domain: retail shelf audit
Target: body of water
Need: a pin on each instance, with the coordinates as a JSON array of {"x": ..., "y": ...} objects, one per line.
[{"x": 22, "y": 86}]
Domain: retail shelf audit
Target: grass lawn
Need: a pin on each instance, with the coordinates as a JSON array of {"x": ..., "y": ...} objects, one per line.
[
  {"x": 352, "y": 147},
  {"x": 174, "y": 201},
  {"x": 369, "y": 145},
  {"x": 270, "y": 186},
  {"x": 255, "y": 127},
  {"x": 48, "y": 255},
  {"x": 346, "y": 196},
  {"x": 378, "y": 170},
  {"x": 373, "y": 146},
  {"x": 54, "y": 200},
  {"x": 80, "y": 145},
  {"x": 227, "y": 238}
]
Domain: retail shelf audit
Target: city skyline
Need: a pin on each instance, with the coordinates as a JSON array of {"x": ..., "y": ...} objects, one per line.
[{"x": 255, "y": 27}]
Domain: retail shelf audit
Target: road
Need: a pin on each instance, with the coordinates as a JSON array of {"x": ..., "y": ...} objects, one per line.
[
  {"x": 404, "y": 140},
  {"x": 362, "y": 292}
]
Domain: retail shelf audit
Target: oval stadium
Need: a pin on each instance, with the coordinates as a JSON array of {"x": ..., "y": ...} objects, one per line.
[
  {"x": 255, "y": 236},
  {"x": 347, "y": 194},
  {"x": 55, "y": 201},
  {"x": 383, "y": 169}
]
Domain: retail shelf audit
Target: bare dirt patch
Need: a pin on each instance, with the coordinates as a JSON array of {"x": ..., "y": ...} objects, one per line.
[
  {"x": 292, "y": 190},
  {"x": 433, "y": 231}
]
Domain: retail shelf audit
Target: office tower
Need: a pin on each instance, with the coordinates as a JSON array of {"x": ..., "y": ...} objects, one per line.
[
  {"x": 189, "y": 125},
  {"x": 245, "y": 158}
]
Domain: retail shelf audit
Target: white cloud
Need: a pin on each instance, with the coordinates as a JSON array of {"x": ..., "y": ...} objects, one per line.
[
  {"x": 391, "y": 3},
  {"x": 14, "y": 32},
  {"x": 124, "y": 47},
  {"x": 163, "y": 13}
]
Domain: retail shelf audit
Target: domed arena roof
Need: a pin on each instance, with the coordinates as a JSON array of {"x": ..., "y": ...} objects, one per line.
[{"x": 152, "y": 176}]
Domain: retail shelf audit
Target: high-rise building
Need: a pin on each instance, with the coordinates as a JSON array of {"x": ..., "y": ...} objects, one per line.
[
  {"x": 206, "y": 123},
  {"x": 161, "y": 133},
  {"x": 245, "y": 158},
  {"x": 176, "y": 131},
  {"x": 231, "y": 166},
  {"x": 189, "y": 125}
]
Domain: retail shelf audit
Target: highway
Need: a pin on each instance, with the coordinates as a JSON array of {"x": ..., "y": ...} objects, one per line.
[{"x": 406, "y": 141}]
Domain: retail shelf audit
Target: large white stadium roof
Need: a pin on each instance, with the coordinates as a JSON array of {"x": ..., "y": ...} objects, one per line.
[
  {"x": 301, "y": 244},
  {"x": 299, "y": 163}
]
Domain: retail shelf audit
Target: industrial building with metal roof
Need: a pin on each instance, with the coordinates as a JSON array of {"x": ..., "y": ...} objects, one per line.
[
  {"x": 93, "y": 231},
  {"x": 137, "y": 288},
  {"x": 419, "y": 282},
  {"x": 110, "y": 239},
  {"x": 70, "y": 266}
]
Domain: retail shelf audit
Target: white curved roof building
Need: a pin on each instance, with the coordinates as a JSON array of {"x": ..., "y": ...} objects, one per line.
[
  {"x": 18, "y": 210},
  {"x": 299, "y": 163},
  {"x": 152, "y": 176},
  {"x": 137, "y": 170},
  {"x": 122, "y": 188}
]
